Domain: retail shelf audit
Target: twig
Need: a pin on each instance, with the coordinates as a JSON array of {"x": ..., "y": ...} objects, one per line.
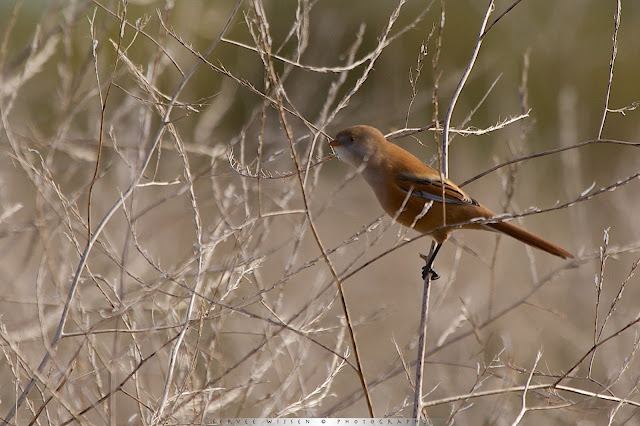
[
  {"x": 614, "y": 51},
  {"x": 422, "y": 340},
  {"x": 103, "y": 100},
  {"x": 519, "y": 389},
  {"x": 523, "y": 408},
  {"x": 55, "y": 391},
  {"x": 374, "y": 56},
  {"x": 138, "y": 366},
  {"x": 604, "y": 256},
  {"x": 594, "y": 348},
  {"x": 150, "y": 38},
  {"x": 549, "y": 152},
  {"x": 338, "y": 69},
  {"x": 502, "y": 15},
  {"x": 447, "y": 119}
]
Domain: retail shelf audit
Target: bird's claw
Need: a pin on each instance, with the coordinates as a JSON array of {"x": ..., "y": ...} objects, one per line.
[{"x": 426, "y": 270}]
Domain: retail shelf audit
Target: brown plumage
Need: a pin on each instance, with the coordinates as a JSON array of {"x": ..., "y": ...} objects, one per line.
[{"x": 403, "y": 185}]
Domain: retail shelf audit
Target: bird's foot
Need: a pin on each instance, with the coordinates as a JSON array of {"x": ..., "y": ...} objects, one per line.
[{"x": 427, "y": 270}]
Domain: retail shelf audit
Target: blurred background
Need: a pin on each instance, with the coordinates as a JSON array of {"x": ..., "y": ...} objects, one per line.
[{"x": 207, "y": 293}]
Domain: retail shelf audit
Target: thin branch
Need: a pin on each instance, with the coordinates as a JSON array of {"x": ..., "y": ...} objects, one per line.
[
  {"x": 614, "y": 52},
  {"x": 502, "y": 15},
  {"x": 518, "y": 389},
  {"x": 604, "y": 256},
  {"x": 454, "y": 99},
  {"x": 338, "y": 69},
  {"x": 103, "y": 99},
  {"x": 549, "y": 152},
  {"x": 422, "y": 340},
  {"x": 594, "y": 348},
  {"x": 523, "y": 408}
]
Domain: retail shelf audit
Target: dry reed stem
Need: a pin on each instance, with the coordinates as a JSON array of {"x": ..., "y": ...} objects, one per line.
[{"x": 614, "y": 52}]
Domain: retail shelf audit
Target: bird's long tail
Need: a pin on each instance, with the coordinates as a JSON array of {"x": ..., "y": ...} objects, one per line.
[{"x": 529, "y": 238}]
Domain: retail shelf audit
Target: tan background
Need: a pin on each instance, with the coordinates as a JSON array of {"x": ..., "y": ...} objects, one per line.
[{"x": 133, "y": 296}]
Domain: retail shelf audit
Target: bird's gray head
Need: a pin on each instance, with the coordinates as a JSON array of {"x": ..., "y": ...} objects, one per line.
[{"x": 357, "y": 144}]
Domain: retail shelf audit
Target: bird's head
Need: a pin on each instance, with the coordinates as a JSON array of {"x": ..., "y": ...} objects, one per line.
[{"x": 357, "y": 144}]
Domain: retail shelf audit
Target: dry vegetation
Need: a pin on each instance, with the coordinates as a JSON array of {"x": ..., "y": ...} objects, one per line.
[{"x": 179, "y": 246}]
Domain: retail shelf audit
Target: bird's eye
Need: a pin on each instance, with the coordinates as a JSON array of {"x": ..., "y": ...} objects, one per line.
[{"x": 351, "y": 139}]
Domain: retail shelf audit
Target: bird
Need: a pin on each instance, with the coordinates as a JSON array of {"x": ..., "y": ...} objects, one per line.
[{"x": 412, "y": 193}]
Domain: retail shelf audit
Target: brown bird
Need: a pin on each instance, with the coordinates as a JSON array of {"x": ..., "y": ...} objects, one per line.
[{"x": 412, "y": 192}]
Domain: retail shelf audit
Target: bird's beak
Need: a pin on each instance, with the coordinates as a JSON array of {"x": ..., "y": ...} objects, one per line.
[{"x": 334, "y": 143}]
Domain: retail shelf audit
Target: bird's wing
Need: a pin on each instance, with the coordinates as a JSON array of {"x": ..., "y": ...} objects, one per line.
[{"x": 430, "y": 188}]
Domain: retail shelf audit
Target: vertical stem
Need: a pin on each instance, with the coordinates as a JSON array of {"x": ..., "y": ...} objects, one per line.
[
  {"x": 444, "y": 172},
  {"x": 422, "y": 345},
  {"x": 614, "y": 51},
  {"x": 456, "y": 94}
]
